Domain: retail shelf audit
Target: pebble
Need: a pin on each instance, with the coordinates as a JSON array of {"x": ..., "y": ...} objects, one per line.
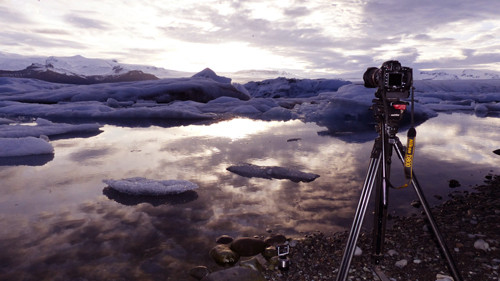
[
  {"x": 392, "y": 252},
  {"x": 358, "y": 252},
  {"x": 442, "y": 277},
  {"x": 416, "y": 204},
  {"x": 453, "y": 183},
  {"x": 401, "y": 263},
  {"x": 480, "y": 244}
]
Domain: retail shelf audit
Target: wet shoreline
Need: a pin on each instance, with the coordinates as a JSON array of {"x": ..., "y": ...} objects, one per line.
[{"x": 469, "y": 223}]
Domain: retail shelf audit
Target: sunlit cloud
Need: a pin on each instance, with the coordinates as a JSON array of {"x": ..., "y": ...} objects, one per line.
[{"x": 310, "y": 36}]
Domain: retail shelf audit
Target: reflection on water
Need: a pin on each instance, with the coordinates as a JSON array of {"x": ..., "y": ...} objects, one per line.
[{"x": 60, "y": 220}]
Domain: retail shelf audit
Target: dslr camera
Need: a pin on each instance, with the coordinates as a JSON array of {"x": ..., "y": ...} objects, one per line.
[{"x": 392, "y": 80}]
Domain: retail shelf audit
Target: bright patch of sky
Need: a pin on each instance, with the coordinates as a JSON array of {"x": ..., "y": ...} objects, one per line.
[{"x": 342, "y": 36}]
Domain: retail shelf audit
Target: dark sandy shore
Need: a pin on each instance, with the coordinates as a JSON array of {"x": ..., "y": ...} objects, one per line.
[{"x": 469, "y": 223}]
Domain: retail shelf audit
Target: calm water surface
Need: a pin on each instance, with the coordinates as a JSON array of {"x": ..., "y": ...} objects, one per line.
[{"x": 58, "y": 222}]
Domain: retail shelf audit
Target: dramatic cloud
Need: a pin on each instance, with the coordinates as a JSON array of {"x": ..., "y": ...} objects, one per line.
[
  {"x": 310, "y": 36},
  {"x": 83, "y": 22}
]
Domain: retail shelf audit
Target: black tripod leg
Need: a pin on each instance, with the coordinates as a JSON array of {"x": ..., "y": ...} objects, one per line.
[
  {"x": 381, "y": 200},
  {"x": 358, "y": 218},
  {"x": 380, "y": 219},
  {"x": 451, "y": 263}
]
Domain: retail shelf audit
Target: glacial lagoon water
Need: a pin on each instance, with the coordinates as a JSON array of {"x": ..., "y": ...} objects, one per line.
[{"x": 58, "y": 222}]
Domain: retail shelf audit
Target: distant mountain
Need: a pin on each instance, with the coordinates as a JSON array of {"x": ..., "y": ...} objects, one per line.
[
  {"x": 46, "y": 73},
  {"x": 82, "y": 70},
  {"x": 244, "y": 76},
  {"x": 79, "y": 70},
  {"x": 456, "y": 74}
]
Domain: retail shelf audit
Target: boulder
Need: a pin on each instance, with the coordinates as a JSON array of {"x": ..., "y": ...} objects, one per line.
[
  {"x": 224, "y": 239},
  {"x": 223, "y": 255},
  {"x": 247, "y": 246}
]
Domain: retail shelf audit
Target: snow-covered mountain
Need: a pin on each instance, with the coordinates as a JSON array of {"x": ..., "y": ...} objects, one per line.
[
  {"x": 244, "y": 76},
  {"x": 456, "y": 74},
  {"x": 80, "y": 66},
  {"x": 60, "y": 75}
]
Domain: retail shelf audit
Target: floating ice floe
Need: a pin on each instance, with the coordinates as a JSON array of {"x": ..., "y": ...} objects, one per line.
[
  {"x": 270, "y": 172},
  {"x": 44, "y": 127},
  {"x": 13, "y": 147},
  {"x": 148, "y": 187}
]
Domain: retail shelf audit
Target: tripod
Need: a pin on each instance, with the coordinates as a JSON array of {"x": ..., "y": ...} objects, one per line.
[{"x": 387, "y": 117}]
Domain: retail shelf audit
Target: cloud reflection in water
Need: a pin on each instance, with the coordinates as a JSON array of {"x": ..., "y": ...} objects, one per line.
[{"x": 56, "y": 222}]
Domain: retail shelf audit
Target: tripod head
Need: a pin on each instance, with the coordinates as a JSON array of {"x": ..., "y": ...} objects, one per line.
[{"x": 388, "y": 113}]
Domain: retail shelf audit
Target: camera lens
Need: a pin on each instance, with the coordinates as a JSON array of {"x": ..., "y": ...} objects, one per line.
[{"x": 370, "y": 77}]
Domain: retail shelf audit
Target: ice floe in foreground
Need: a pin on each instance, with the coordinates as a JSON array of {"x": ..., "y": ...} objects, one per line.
[
  {"x": 270, "y": 172},
  {"x": 10, "y": 147},
  {"x": 18, "y": 139},
  {"x": 149, "y": 187},
  {"x": 45, "y": 127}
]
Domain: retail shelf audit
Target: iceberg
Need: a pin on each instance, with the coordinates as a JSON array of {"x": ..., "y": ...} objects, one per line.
[
  {"x": 293, "y": 88},
  {"x": 340, "y": 106},
  {"x": 270, "y": 172},
  {"x": 149, "y": 187}
]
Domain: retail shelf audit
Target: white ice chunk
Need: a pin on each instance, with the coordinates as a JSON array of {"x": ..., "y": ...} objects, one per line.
[
  {"x": 45, "y": 127},
  {"x": 10, "y": 147},
  {"x": 143, "y": 186},
  {"x": 269, "y": 172}
]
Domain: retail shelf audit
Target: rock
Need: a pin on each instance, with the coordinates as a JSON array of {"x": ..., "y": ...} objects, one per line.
[
  {"x": 416, "y": 204},
  {"x": 497, "y": 152},
  {"x": 401, "y": 263},
  {"x": 223, "y": 255},
  {"x": 199, "y": 272},
  {"x": 392, "y": 253},
  {"x": 247, "y": 246},
  {"x": 275, "y": 240},
  {"x": 454, "y": 183},
  {"x": 442, "y": 277},
  {"x": 270, "y": 252},
  {"x": 253, "y": 263},
  {"x": 480, "y": 244},
  {"x": 224, "y": 239},
  {"x": 358, "y": 252},
  {"x": 235, "y": 273}
]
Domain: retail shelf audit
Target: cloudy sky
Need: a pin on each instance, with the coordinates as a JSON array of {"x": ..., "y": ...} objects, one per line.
[{"x": 333, "y": 36}]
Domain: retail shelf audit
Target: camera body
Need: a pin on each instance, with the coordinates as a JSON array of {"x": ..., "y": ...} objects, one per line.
[{"x": 392, "y": 80}]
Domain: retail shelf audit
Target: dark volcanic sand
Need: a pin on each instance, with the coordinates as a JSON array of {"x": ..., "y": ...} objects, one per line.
[{"x": 463, "y": 220}]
